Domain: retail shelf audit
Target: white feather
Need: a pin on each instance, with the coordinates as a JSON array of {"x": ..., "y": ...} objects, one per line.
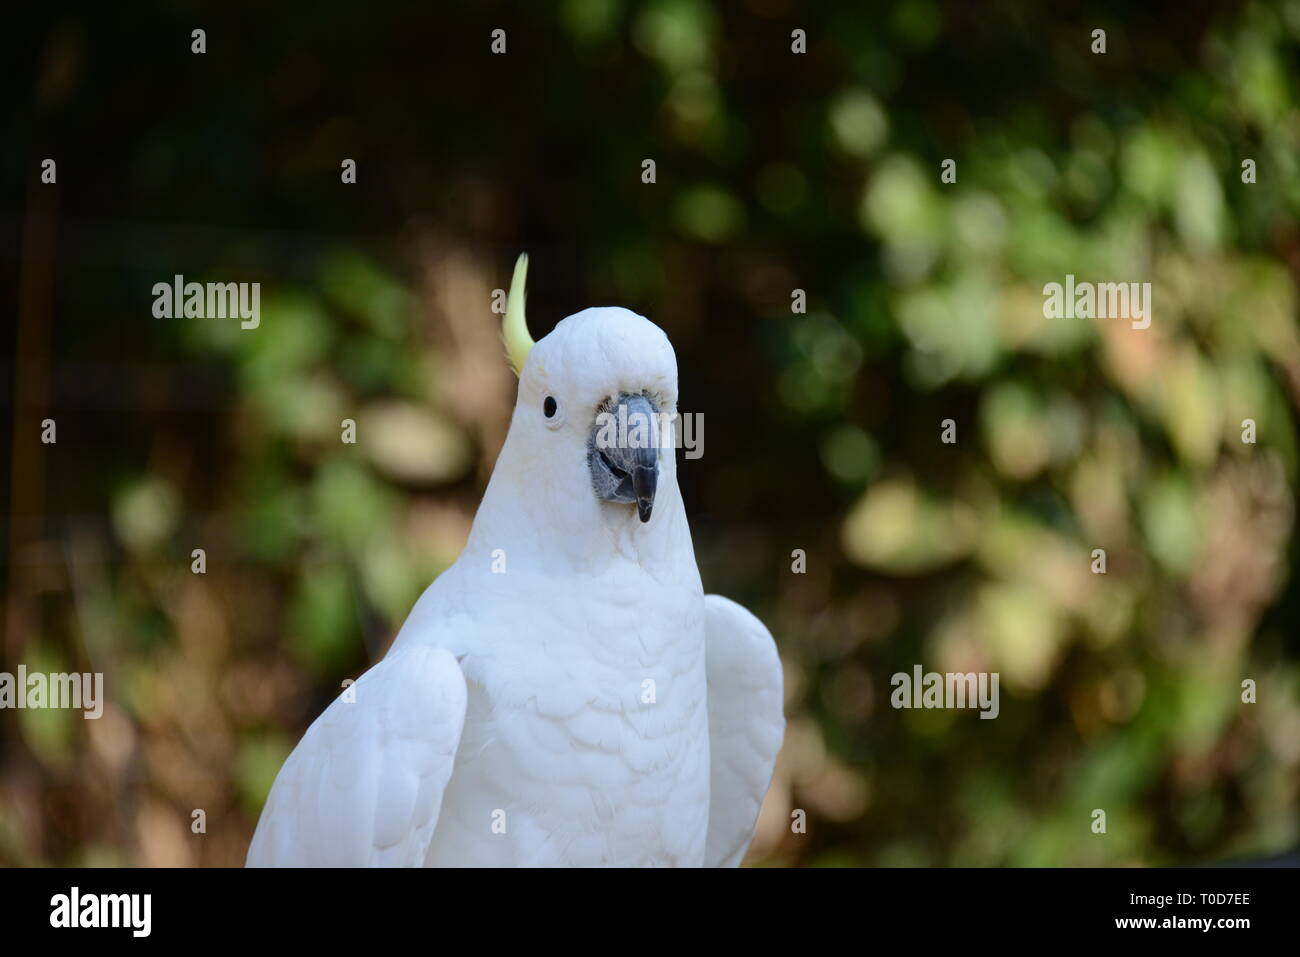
[
  {"x": 557, "y": 710},
  {"x": 746, "y": 725}
]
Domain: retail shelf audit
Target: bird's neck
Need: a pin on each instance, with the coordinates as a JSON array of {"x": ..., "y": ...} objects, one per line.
[{"x": 561, "y": 527}]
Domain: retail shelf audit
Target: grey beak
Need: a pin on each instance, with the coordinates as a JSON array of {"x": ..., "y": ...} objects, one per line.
[
  {"x": 644, "y": 479},
  {"x": 623, "y": 454}
]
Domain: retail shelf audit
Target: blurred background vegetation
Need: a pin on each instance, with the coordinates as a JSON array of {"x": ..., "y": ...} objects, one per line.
[{"x": 775, "y": 172}]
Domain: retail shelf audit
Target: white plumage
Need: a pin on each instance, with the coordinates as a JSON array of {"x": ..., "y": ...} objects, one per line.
[{"x": 565, "y": 693}]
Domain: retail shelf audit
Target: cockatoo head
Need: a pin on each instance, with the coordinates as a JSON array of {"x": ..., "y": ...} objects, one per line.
[{"x": 596, "y": 407}]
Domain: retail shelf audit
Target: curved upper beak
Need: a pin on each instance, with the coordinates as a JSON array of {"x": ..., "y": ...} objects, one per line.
[
  {"x": 624, "y": 457},
  {"x": 644, "y": 480}
]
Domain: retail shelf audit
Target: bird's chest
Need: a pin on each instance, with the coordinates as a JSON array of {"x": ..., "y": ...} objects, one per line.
[{"x": 587, "y": 746}]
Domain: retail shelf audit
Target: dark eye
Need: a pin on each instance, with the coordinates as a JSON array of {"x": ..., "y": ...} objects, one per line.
[{"x": 549, "y": 407}]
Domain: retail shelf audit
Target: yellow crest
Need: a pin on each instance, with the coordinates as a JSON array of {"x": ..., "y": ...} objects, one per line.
[{"x": 514, "y": 329}]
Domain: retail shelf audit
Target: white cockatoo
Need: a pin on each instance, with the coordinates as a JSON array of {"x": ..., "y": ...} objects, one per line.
[{"x": 564, "y": 694}]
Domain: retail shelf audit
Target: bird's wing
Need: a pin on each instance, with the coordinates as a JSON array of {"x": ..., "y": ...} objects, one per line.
[
  {"x": 365, "y": 785},
  {"x": 746, "y": 725}
]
